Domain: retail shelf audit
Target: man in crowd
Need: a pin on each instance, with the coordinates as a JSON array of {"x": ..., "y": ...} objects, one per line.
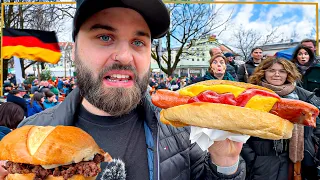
[
  {"x": 246, "y": 69},
  {"x": 232, "y": 68},
  {"x": 112, "y": 58},
  {"x": 16, "y": 96},
  {"x": 12, "y": 79},
  {"x": 214, "y": 51}
]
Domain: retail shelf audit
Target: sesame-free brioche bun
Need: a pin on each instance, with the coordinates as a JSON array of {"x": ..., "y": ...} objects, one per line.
[
  {"x": 48, "y": 145},
  {"x": 31, "y": 176}
]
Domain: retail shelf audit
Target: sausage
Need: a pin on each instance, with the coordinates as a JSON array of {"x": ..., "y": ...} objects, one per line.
[
  {"x": 165, "y": 99},
  {"x": 296, "y": 111}
]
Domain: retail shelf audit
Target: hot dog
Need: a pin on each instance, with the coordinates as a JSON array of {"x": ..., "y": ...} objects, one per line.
[{"x": 228, "y": 101}]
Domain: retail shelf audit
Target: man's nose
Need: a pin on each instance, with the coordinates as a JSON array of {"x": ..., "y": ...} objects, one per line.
[{"x": 123, "y": 54}]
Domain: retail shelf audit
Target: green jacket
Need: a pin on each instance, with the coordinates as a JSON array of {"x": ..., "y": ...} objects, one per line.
[
  {"x": 227, "y": 76},
  {"x": 54, "y": 90},
  {"x": 311, "y": 79}
]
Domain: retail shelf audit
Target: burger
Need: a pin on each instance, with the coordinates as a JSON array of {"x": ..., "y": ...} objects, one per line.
[{"x": 51, "y": 153}]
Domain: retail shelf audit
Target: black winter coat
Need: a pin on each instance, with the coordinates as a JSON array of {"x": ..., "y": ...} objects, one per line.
[
  {"x": 241, "y": 70},
  {"x": 264, "y": 163},
  {"x": 175, "y": 158}
]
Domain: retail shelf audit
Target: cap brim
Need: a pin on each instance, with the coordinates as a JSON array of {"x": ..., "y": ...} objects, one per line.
[{"x": 154, "y": 12}]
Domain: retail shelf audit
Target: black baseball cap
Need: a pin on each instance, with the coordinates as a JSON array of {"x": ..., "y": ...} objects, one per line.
[{"x": 154, "y": 12}]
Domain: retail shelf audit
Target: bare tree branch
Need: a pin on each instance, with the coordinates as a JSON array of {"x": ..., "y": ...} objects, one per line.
[{"x": 188, "y": 22}]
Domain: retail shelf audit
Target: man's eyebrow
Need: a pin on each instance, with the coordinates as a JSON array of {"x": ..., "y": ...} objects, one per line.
[
  {"x": 142, "y": 33},
  {"x": 110, "y": 28},
  {"x": 100, "y": 26}
]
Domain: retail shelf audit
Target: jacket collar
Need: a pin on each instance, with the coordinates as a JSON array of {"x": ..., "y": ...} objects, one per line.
[{"x": 67, "y": 109}]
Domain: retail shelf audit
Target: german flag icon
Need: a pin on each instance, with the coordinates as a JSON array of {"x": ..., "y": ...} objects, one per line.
[{"x": 31, "y": 44}]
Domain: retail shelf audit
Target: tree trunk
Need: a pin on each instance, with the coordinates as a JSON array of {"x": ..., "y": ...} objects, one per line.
[
  {"x": 170, "y": 71},
  {"x": 22, "y": 69},
  {"x": 42, "y": 66},
  {"x": 38, "y": 69},
  {"x": 5, "y": 69}
]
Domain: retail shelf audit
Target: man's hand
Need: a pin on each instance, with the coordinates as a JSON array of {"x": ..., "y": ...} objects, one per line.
[
  {"x": 3, "y": 172},
  {"x": 225, "y": 153}
]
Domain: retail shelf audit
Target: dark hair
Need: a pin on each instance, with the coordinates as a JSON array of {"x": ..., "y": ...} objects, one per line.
[
  {"x": 14, "y": 91},
  {"x": 255, "y": 48},
  {"x": 296, "y": 52},
  {"x": 259, "y": 74},
  {"x": 309, "y": 40},
  {"x": 37, "y": 97},
  {"x": 11, "y": 115},
  {"x": 49, "y": 94}
]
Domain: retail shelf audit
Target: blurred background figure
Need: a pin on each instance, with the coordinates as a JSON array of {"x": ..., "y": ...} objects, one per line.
[
  {"x": 35, "y": 105},
  {"x": 7, "y": 87},
  {"x": 11, "y": 115},
  {"x": 232, "y": 68},
  {"x": 34, "y": 86},
  {"x": 304, "y": 58},
  {"x": 245, "y": 70},
  {"x": 215, "y": 51},
  {"x": 16, "y": 96},
  {"x": 217, "y": 69},
  {"x": 50, "y": 100}
]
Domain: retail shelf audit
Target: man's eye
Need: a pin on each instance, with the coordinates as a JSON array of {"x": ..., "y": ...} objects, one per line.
[
  {"x": 105, "y": 38},
  {"x": 137, "y": 43}
]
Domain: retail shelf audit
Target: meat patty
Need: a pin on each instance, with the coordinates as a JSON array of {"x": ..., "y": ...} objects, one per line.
[{"x": 85, "y": 168}]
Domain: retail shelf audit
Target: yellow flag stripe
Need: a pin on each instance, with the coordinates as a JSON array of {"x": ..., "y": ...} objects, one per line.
[{"x": 31, "y": 53}]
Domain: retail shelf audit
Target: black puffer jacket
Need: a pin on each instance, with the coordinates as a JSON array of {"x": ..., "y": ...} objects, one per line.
[
  {"x": 262, "y": 160},
  {"x": 174, "y": 156},
  {"x": 241, "y": 70}
]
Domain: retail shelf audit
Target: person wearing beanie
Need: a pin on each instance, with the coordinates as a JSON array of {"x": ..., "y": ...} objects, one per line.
[{"x": 232, "y": 68}]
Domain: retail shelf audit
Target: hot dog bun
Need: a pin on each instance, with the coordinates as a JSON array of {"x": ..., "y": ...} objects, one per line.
[{"x": 230, "y": 118}]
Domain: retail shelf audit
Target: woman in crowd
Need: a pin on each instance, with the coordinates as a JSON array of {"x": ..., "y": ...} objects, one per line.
[
  {"x": 217, "y": 69},
  {"x": 11, "y": 115},
  {"x": 35, "y": 105},
  {"x": 275, "y": 159},
  {"x": 305, "y": 61},
  {"x": 50, "y": 100}
]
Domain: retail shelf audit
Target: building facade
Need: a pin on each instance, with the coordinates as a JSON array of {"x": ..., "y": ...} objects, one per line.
[{"x": 195, "y": 59}]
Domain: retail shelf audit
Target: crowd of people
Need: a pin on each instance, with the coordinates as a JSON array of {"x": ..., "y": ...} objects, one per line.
[
  {"x": 36, "y": 97},
  {"x": 110, "y": 101}
]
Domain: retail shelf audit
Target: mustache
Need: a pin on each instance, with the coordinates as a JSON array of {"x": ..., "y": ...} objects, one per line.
[{"x": 117, "y": 66}]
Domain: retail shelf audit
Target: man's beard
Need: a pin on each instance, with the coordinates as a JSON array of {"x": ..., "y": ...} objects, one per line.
[{"x": 115, "y": 101}]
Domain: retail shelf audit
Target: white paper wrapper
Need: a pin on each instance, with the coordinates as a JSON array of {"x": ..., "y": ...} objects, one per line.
[{"x": 205, "y": 137}]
